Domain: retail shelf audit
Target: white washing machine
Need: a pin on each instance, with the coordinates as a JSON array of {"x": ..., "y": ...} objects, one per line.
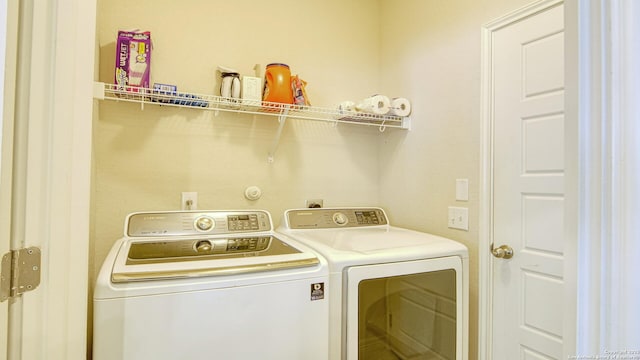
[
  {"x": 394, "y": 293},
  {"x": 210, "y": 285}
]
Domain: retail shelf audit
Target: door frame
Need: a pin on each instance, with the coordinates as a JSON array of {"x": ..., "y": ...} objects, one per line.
[
  {"x": 7, "y": 47},
  {"x": 485, "y": 278},
  {"x": 51, "y": 174},
  {"x": 605, "y": 140}
]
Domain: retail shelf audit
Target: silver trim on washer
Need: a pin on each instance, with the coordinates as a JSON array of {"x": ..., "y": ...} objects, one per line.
[{"x": 215, "y": 271}]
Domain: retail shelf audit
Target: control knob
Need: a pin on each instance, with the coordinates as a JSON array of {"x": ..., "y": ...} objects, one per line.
[
  {"x": 340, "y": 219},
  {"x": 203, "y": 246},
  {"x": 204, "y": 223}
]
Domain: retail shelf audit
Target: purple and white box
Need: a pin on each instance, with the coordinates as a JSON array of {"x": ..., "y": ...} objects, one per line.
[{"x": 133, "y": 59}]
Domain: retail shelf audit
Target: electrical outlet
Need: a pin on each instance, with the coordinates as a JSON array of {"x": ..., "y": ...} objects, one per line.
[
  {"x": 313, "y": 203},
  {"x": 189, "y": 201},
  {"x": 458, "y": 218}
]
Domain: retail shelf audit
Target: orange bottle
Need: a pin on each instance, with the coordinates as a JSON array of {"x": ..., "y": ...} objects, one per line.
[{"x": 277, "y": 84}]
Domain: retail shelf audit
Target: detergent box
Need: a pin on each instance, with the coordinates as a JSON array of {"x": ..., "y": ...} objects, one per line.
[{"x": 133, "y": 59}]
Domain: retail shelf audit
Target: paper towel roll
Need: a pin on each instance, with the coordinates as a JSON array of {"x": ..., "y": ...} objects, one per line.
[
  {"x": 400, "y": 107},
  {"x": 377, "y": 104}
]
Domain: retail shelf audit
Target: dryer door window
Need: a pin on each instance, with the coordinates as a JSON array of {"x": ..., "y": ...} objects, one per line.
[{"x": 409, "y": 310}]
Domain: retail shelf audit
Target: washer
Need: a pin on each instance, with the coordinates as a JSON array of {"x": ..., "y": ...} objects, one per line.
[
  {"x": 212, "y": 284},
  {"x": 394, "y": 293}
]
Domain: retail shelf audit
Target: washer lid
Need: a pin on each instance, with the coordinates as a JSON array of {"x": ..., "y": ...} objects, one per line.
[
  {"x": 362, "y": 235},
  {"x": 166, "y": 258},
  {"x": 363, "y": 246}
]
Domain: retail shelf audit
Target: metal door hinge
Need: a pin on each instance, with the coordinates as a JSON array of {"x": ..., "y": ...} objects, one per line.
[{"x": 19, "y": 272}]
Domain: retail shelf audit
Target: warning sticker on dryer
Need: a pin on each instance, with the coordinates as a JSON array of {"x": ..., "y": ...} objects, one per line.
[{"x": 317, "y": 291}]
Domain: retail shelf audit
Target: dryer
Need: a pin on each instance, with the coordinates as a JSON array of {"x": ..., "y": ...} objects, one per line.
[
  {"x": 209, "y": 284},
  {"x": 394, "y": 293}
]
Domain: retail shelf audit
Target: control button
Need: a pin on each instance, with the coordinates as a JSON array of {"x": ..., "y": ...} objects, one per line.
[
  {"x": 203, "y": 246},
  {"x": 340, "y": 219},
  {"x": 205, "y": 223}
]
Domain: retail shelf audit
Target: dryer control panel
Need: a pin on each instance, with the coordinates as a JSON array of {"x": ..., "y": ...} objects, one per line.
[
  {"x": 179, "y": 223},
  {"x": 329, "y": 218}
]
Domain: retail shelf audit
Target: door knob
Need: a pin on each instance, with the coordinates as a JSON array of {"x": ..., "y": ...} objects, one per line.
[{"x": 502, "y": 252}]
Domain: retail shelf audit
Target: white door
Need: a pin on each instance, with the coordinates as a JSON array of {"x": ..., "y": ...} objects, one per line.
[
  {"x": 45, "y": 171},
  {"x": 528, "y": 173}
]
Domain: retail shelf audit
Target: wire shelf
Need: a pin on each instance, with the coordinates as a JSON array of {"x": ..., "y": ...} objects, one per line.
[{"x": 180, "y": 99}]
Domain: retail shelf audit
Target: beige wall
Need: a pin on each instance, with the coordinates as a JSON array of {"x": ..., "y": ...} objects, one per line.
[
  {"x": 145, "y": 158},
  {"x": 425, "y": 50},
  {"x": 430, "y": 52}
]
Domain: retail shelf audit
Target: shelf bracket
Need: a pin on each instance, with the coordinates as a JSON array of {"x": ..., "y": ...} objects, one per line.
[
  {"x": 98, "y": 90},
  {"x": 282, "y": 118},
  {"x": 406, "y": 123}
]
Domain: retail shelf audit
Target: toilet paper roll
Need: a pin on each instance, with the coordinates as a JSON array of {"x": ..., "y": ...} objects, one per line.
[
  {"x": 377, "y": 104},
  {"x": 346, "y": 106},
  {"x": 400, "y": 107}
]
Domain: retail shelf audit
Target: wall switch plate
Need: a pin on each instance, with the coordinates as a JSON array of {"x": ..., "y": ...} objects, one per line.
[
  {"x": 189, "y": 201},
  {"x": 462, "y": 189},
  {"x": 458, "y": 218}
]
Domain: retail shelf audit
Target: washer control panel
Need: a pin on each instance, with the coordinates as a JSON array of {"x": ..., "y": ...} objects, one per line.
[
  {"x": 179, "y": 223},
  {"x": 328, "y": 218}
]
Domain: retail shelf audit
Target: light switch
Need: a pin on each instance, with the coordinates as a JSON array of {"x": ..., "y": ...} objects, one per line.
[
  {"x": 462, "y": 189},
  {"x": 458, "y": 218}
]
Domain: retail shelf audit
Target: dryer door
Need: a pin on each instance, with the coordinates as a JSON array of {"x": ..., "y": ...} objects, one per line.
[{"x": 407, "y": 310}]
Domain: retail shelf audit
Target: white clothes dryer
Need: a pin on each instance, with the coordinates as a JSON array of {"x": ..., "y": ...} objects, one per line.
[
  {"x": 209, "y": 285},
  {"x": 394, "y": 293}
]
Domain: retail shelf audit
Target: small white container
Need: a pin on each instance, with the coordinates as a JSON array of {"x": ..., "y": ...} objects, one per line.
[{"x": 251, "y": 90}]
